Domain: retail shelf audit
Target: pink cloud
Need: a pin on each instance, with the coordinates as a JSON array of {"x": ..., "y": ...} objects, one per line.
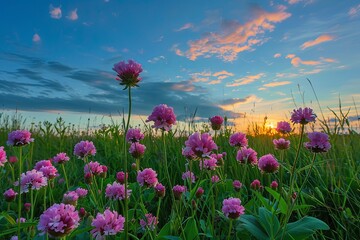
[
  {"x": 184, "y": 86},
  {"x": 245, "y": 80},
  {"x": 73, "y": 15},
  {"x": 329, "y": 60},
  {"x": 185, "y": 27},
  {"x": 55, "y": 12},
  {"x": 36, "y": 38},
  {"x": 291, "y": 56},
  {"x": 318, "y": 40},
  {"x": 296, "y": 61},
  {"x": 354, "y": 11},
  {"x": 276, "y": 84},
  {"x": 277, "y": 55},
  {"x": 293, "y": 1},
  {"x": 228, "y": 43},
  {"x": 223, "y": 72}
]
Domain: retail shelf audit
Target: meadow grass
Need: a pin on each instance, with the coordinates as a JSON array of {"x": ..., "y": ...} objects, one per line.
[{"x": 331, "y": 194}]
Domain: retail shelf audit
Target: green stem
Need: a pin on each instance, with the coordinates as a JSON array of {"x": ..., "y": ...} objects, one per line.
[
  {"x": 308, "y": 174},
  {"x": 32, "y": 204},
  {"x": 66, "y": 178},
  {"x": 19, "y": 192},
  {"x": 166, "y": 166},
  {"x": 157, "y": 214},
  {"x": 125, "y": 168},
  {"x": 292, "y": 178},
  {"x": 230, "y": 227}
]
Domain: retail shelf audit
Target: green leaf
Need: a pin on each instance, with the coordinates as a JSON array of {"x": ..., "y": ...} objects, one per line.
[
  {"x": 269, "y": 222},
  {"x": 251, "y": 224},
  {"x": 304, "y": 228},
  {"x": 8, "y": 218},
  {"x": 282, "y": 206},
  {"x": 165, "y": 230},
  {"x": 191, "y": 230}
]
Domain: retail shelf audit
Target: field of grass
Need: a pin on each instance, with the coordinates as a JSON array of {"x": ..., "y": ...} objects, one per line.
[{"x": 330, "y": 194}]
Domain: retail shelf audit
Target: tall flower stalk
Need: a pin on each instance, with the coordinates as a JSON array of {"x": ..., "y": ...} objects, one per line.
[{"x": 128, "y": 76}]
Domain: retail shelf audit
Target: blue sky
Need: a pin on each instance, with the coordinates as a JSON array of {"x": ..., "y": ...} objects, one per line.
[{"x": 242, "y": 59}]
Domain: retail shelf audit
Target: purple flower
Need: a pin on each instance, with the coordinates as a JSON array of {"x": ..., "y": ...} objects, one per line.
[
  {"x": 209, "y": 163},
  {"x": 216, "y": 122},
  {"x": 84, "y": 149},
  {"x": 81, "y": 192},
  {"x": 188, "y": 153},
  {"x": 283, "y": 127},
  {"x": 149, "y": 222},
  {"x": 46, "y": 167},
  {"x": 70, "y": 198},
  {"x": 59, "y": 220},
  {"x": 201, "y": 145},
  {"x": 247, "y": 155},
  {"x": 237, "y": 185},
  {"x": 134, "y": 135},
  {"x": 268, "y": 164},
  {"x": 61, "y": 158},
  {"x": 10, "y": 195},
  {"x": 215, "y": 179},
  {"x": 188, "y": 176},
  {"x": 238, "y": 140},
  {"x": 163, "y": 117},
  {"x": 120, "y": 177},
  {"x": 303, "y": 116},
  {"x": 256, "y": 184},
  {"x": 2, "y": 157},
  {"x": 147, "y": 178},
  {"x": 93, "y": 168},
  {"x": 178, "y": 190},
  {"x": 281, "y": 144},
  {"x": 31, "y": 179},
  {"x": 19, "y": 138},
  {"x": 232, "y": 208},
  {"x": 159, "y": 190},
  {"x": 219, "y": 157},
  {"x": 128, "y": 73},
  {"x": 274, "y": 185},
  {"x": 137, "y": 150},
  {"x": 116, "y": 191},
  {"x": 109, "y": 223},
  {"x": 199, "y": 192},
  {"x": 319, "y": 142}
]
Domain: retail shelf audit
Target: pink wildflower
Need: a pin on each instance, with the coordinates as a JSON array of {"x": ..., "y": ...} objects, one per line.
[
  {"x": 84, "y": 149},
  {"x": 19, "y": 138},
  {"x": 128, "y": 73},
  {"x": 215, "y": 179},
  {"x": 2, "y": 157},
  {"x": 13, "y": 159},
  {"x": 93, "y": 168},
  {"x": 188, "y": 176},
  {"x": 59, "y": 220},
  {"x": 232, "y": 208},
  {"x": 319, "y": 142},
  {"x": 281, "y": 144},
  {"x": 149, "y": 222},
  {"x": 216, "y": 122},
  {"x": 46, "y": 167},
  {"x": 219, "y": 157},
  {"x": 116, "y": 191},
  {"x": 303, "y": 116},
  {"x": 134, "y": 135},
  {"x": 147, "y": 178},
  {"x": 27, "y": 207},
  {"x": 199, "y": 192},
  {"x": 188, "y": 153},
  {"x": 201, "y": 144},
  {"x": 10, "y": 195},
  {"x": 163, "y": 117},
  {"x": 120, "y": 177},
  {"x": 237, "y": 185},
  {"x": 82, "y": 212},
  {"x": 178, "y": 190},
  {"x": 81, "y": 192},
  {"x": 274, "y": 185},
  {"x": 61, "y": 158},
  {"x": 31, "y": 180},
  {"x": 283, "y": 127},
  {"x": 268, "y": 164},
  {"x": 109, "y": 223},
  {"x": 238, "y": 140},
  {"x": 209, "y": 164},
  {"x": 247, "y": 155},
  {"x": 256, "y": 184},
  {"x": 160, "y": 190},
  {"x": 70, "y": 198},
  {"x": 137, "y": 150}
]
